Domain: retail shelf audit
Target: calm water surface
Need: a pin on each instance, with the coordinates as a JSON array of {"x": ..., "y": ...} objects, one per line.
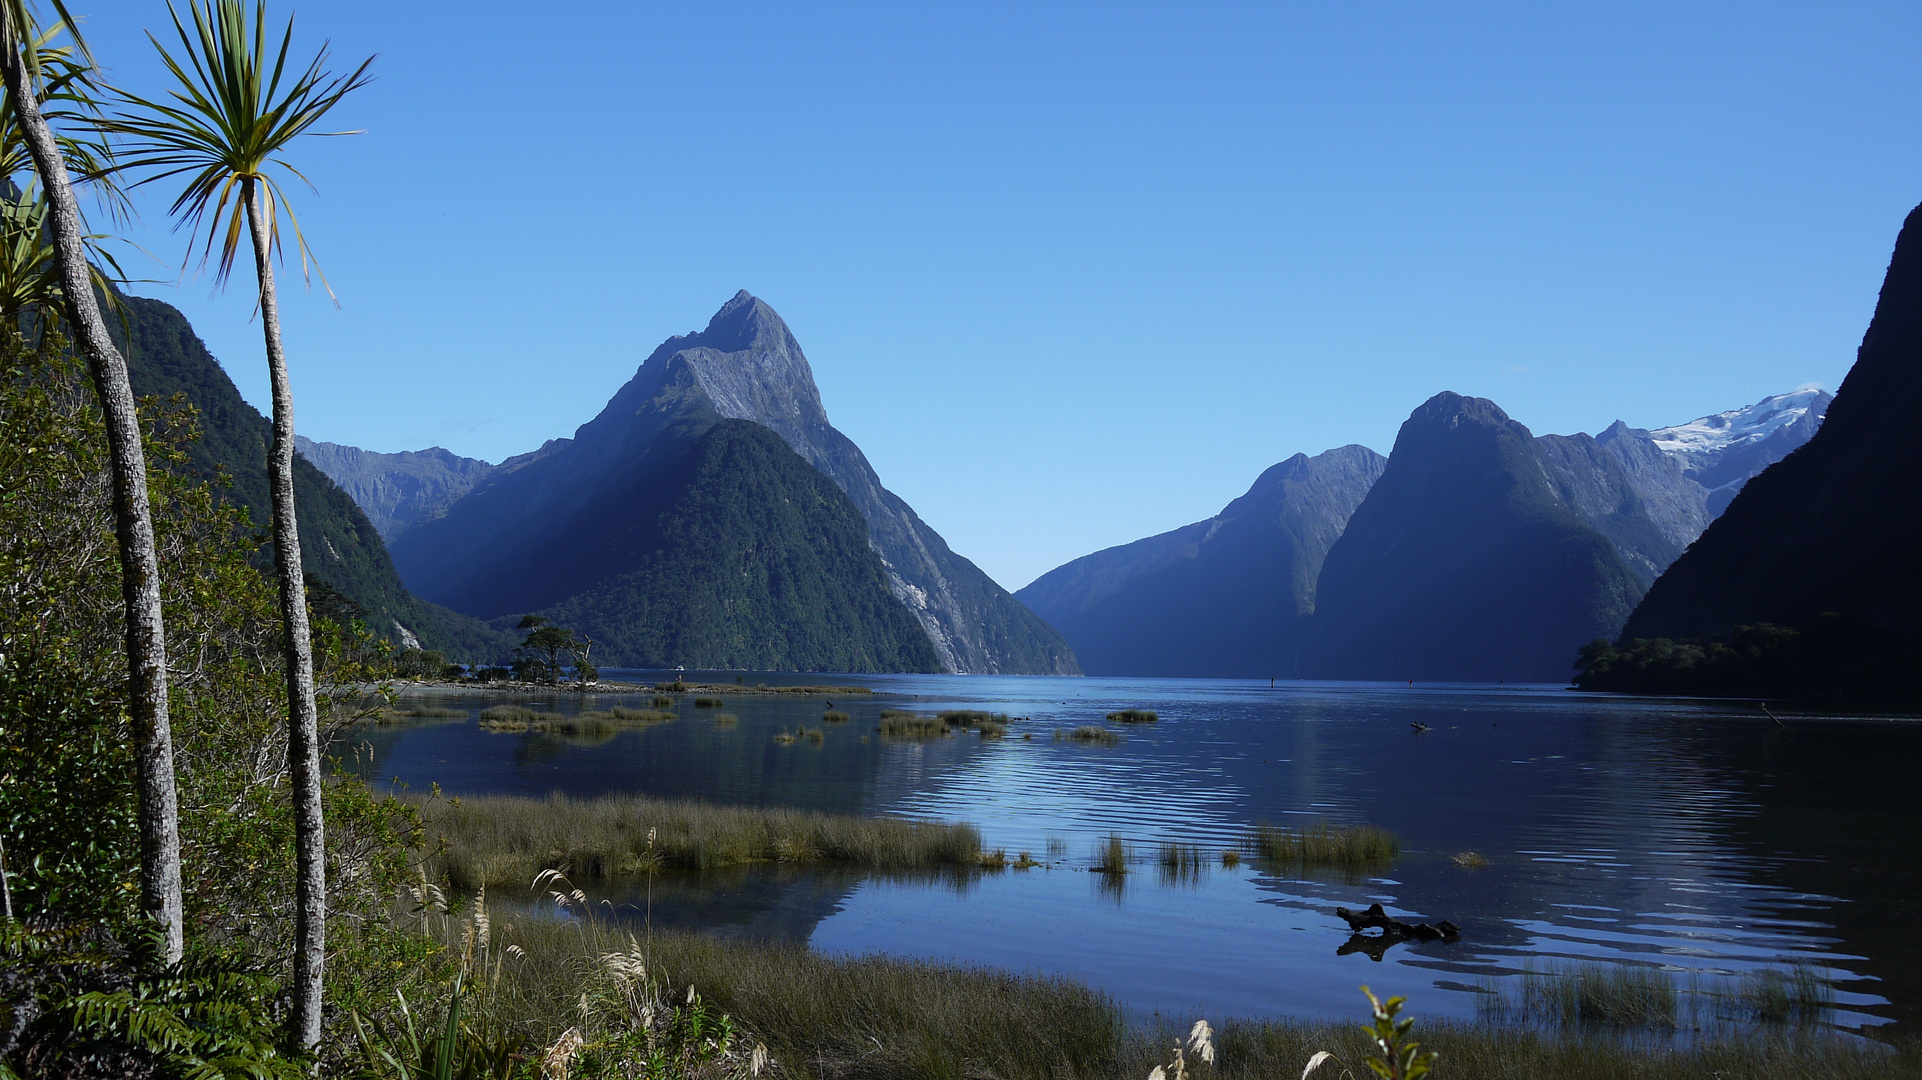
[{"x": 1704, "y": 838}]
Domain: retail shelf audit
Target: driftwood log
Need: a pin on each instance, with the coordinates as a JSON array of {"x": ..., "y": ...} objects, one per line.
[{"x": 1394, "y": 929}]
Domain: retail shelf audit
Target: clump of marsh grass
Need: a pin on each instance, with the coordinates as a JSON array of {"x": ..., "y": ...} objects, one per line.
[
  {"x": 662, "y": 701},
  {"x": 1231, "y": 858},
  {"x": 1133, "y": 716},
  {"x": 1111, "y": 857},
  {"x": 516, "y": 718},
  {"x": 1323, "y": 844},
  {"x": 726, "y": 719},
  {"x": 786, "y": 738},
  {"x": 708, "y": 703},
  {"x": 503, "y": 840},
  {"x": 992, "y": 730},
  {"x": 675, "y": 687},
  {"x": 1180, "y": 863},
  {"x": 1057, "y": 845},
  {"x": 970, "y": 718},
  {"x": 1595, "y": 995},
  {"x": 1089, "y": 734},
  {"x": 1026, "y": 862},
  {"x": 835, "y": 716},
  {"x": 993, "y": 860},
  {"x": 813, "y": 735},
  {"x": 900, "y": 725},
  {"x": 427, "y": 712},
  {"x": 1469, "y": 860},
  {"x": 1799, "y": 995}
]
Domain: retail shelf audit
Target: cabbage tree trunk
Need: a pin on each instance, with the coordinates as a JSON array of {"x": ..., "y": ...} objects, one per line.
[
  {"x": 146, "y": 641},
  {"x": 303, "y": 717}
]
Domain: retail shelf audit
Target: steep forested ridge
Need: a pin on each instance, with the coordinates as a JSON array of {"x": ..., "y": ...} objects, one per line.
[
  {"x": 1229, "y": 596},
  {"x": 338, "y": 544},
  {"x": 1465, "y": 562},
  {"x": 1835, "y": 526},
  {"x": 734, "y": 554}
]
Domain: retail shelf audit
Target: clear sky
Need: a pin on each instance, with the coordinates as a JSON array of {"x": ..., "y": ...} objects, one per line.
[{"x": 1075, "y": 274}]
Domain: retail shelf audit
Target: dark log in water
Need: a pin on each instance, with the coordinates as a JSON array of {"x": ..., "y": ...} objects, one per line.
[{"x": 1395, "y": 929}]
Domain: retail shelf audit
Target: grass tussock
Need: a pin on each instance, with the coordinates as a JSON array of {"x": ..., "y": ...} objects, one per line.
[
  {"x": 1799, "y": 995},
  {"x": 424, "y": 712},
  {"x": 1587, "y": 995},
  {"x": 1180, "y": 864},
  {"x": 971, "y": 718},
  {"x": 1134, "y": 716},
  {"x": 1090, "y": 735},
  {"x": 1323, "y": 844},
  {"x": 835, "y": 716},
  {"x": 1230, "y": 859},
  {"x": 662, "y": 701},
  {"x": 512, "y": 718},
  {"x": 906, "y": 725},
  {"x": 1469, "y": 860},
  {"x": 1111, "y": 857},
  {"x": 500, "y": 840},
  {"x": 726, "y": 719},
  {"x": 708, "y": 703},
  {"x": 992, "y": 730}
]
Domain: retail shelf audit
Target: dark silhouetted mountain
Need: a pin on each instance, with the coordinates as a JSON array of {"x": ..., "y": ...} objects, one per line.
[
  {"x": 397, "y": 491},
  {"x": 1835, "y": 526},
  {"x": 338, "y": 545},
  {"x": 482, "y": 555},
  {"x": 735, "y": 553},
  {"x": 1229, "y": 596},
  {"x": 1467, "y": 562}
]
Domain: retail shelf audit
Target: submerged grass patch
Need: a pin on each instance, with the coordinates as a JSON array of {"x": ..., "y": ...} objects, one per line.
[
  {"x": 1599, "y": 995},
  {"x": 500, "y": 840},
  {"x": 708, "y": 703},
  {"x": 1134, "y": 716},
  {"x": 1088, "y": 733},
  {"x": 516, "y": 718},
  {"x": 1323, "y": 844}
]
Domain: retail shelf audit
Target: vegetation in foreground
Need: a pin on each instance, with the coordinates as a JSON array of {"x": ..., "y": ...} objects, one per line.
[
  {"x": 501, "y": 840},
  {"x": 862, "y": 1017}
]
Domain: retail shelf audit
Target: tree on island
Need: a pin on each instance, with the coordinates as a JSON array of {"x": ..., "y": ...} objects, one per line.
[
  {"x": 59, "y": 81},
  {"x": 222, "y": 129},
  {"x": 542, "y": 656}
]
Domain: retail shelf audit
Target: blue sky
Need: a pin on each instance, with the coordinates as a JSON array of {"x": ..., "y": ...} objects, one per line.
[{"x": 1075, "y": 274}]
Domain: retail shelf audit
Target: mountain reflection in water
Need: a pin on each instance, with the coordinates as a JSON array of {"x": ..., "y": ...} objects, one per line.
[{"x": 1699, "y": 837}]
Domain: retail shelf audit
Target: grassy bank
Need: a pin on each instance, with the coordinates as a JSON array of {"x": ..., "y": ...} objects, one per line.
[
  {"x": 874, "y": 1017},
  {"x": 499, "y": 840}
]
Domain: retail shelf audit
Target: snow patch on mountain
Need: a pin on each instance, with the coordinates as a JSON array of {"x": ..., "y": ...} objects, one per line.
[{"x": 1713, "y": 435}]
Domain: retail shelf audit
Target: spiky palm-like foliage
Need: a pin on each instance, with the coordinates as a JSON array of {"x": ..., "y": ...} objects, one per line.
[{"x": 231, "y": 114}]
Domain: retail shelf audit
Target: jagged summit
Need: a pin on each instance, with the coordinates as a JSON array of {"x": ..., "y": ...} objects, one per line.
[
  {"x": 746, "y": 365},
  {"x": 1738, "y": 427}
]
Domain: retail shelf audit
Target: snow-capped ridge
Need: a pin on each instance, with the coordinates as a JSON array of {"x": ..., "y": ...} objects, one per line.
[{"x": 1739, "y": 427}]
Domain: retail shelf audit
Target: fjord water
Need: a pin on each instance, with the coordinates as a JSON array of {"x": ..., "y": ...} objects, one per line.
[{"x": 1705, "y": 838}]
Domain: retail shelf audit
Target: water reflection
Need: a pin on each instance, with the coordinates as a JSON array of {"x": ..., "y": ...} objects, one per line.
[{"x": 1691, "y": 836}]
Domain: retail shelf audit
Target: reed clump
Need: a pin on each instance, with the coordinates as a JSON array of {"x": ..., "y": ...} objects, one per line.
[
  {"x": 1606, "y": 995},
  {"x": 835, "y": 716},
  {"x": 1134, "y": 716},
  {"x": 726, "y": 719},
  {"x": 1180, "y": 863},
  {"x": 1092, "y": 735},
  {"x": 1111, "y": 857},
  {"x": 992, "y": 730},
  {"x": 1470, "y": 860},
  {"x": 1799, "y": 995},
  {"x": 423, "y": 712},
  {"x": 708, "y": 703},
  {"x": 971, "y": 718},
  {"x": 662, "y": 701},
  {"x": 592, "y": 722},
  {"x": 501, "y": 840},
  {"x": 1324, "y": 844},
  {"x": 906, "y": 725}
]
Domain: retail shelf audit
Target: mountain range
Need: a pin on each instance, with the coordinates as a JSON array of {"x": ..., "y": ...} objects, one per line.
[
  {"x": 566, "y": 528},
  {"x": 397, "y": 491},
  {"x": 1476, "y": 550},
  {"x": 340, "y": 548}
]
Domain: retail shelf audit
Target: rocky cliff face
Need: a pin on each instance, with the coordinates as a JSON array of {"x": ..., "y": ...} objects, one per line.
[
  {"x": 745, "y": 365},
  {"x": 1835, "y": 526},
  {"x": 1229, "y": 596},
  {"x": 397, "y": 491},
  {"x": 1469, "y": 560}
]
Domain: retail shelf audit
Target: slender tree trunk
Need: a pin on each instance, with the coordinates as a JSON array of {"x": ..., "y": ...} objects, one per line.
[
  {"x": 133, "y": 521},
  {"x": 303, "y": 718}
]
